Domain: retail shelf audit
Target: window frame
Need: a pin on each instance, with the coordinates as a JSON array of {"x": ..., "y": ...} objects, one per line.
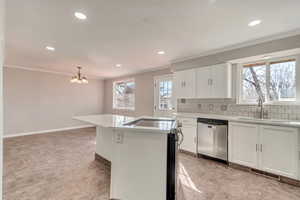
[
  {"x": 164, "y": 79},
  {"x": 114, "y": 94},
  {"x": 239, "y": 81},
  {"x": 156, "y": 80}
]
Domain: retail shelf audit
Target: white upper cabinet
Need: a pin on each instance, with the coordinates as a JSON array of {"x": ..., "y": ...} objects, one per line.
[
  {"x": 185, "y": 84},
  {"x": 203, "y": 82},
  {"x": 213, "y": 81},
  {"x": 221, "y": 81}
]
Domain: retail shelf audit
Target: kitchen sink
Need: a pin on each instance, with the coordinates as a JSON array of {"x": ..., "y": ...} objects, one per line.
[{"x": 153, "y": 123}]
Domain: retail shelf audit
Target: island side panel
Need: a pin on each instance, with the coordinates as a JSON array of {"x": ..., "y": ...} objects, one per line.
[
  {"x": 139, "y": 166},
  {"x": 104, "y": 142}
]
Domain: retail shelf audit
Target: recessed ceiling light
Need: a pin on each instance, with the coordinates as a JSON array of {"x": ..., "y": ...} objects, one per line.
[
  {"x": 80, "y": 15},
  {"x": 254, "y": 23},
  {"x": 118, "y": 65},
  {"x": 49, "y": 48},
  {"x": 161, "y": 52},
  {"x": 267, "y": 57}
]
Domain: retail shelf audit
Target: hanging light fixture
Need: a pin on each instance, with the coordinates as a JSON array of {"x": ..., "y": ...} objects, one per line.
[{"x": 78, "y": 78}]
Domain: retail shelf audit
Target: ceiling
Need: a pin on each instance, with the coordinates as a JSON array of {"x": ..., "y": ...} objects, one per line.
[{"x": 131, "y": 32}]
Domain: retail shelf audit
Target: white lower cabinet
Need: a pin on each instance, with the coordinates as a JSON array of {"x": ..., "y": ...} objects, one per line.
[
  {"x": 272, "y": 149},
  {"x": 189, "y": 140},
  {"x": 279, "y": 150},
  {"x": 242, "y": 144},
  {"x": 189, "y": 130}
]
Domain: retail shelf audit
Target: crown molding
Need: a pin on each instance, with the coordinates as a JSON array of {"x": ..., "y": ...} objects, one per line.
[
  {"x": 241, "y": 45},
  {"x": 49, "y": 71}
]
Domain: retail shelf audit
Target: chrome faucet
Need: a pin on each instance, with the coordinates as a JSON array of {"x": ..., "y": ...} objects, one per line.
[{"x": 261, "y": 106}]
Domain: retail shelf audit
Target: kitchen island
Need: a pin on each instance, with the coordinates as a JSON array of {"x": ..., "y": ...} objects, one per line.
[{"x": 141, "y": 164}]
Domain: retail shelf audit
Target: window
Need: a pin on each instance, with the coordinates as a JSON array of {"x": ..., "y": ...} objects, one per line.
[
  {"x": 165, "y": 95},
  {"x": 123, "y": 95},
  {"x": 272, "y": 81}
]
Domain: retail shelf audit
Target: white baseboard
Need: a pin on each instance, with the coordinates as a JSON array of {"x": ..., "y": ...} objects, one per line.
[{"x": 47, "y": 131}]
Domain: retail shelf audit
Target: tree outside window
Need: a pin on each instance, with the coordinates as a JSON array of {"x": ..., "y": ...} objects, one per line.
[
  {"x": 124, "y": 95},
  {"x": 165, "y": 95},
  {"x": 269, "y": 81}
]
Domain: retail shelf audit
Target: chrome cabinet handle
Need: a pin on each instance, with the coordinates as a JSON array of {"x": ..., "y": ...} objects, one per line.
[
  {"x": 261, "y": 148},
  {"x": 195, "y": 140},
  {"x": 210, "y": 81},
  {"x": 256, "y": 147}
]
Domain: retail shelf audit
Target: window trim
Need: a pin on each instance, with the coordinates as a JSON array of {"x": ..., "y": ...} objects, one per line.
[
  {"x": 113, "y": 96},
  {"x": 239, "y": 81}
]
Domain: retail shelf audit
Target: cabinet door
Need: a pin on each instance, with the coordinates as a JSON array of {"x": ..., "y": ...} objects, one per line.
[
  {"x": 279, "y": 150},
  {"x": 203, "y": 82},
  {"x": 221, "y": 81},
  {"x": 189, "y": 130},
  {"x": 178, "y": 84},
  {"x": 185, "y": 84},
  {"x": 243, "y": 142},
  {"x": 189, "y": 140}
]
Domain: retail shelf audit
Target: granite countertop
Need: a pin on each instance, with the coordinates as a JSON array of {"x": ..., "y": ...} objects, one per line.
[
  {"x": 274, "y": 122},
  {"x": 119, "y": 121}
]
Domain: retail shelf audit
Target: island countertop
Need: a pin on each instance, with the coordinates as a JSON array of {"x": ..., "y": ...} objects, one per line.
[
  {"x": 136, "y": 153},
  {"x": 119, "y": 122}
]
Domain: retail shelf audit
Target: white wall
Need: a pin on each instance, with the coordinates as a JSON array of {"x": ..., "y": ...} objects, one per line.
[
  {"x": 1, "y": 88},
  {"x": 2, "y": 15},
  {"x": 38, "y": 101},
  {"x": 244, "y": 52}
]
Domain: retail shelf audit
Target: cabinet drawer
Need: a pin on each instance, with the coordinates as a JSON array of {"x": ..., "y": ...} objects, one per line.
[{"x": 188, "y": 122}]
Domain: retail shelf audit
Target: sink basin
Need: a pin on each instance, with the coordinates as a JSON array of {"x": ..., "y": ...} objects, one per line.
[{"x": 153, "y": 123}]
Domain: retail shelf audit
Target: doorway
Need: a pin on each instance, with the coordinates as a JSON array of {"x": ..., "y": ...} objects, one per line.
[{"x": 163, "y": 96}]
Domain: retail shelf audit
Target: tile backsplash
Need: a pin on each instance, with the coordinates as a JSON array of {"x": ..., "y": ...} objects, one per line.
[{"x": 229, "y": 107}]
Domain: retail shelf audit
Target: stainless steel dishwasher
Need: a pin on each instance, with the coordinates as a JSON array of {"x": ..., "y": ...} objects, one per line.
[{"x": 213, "y": 138}]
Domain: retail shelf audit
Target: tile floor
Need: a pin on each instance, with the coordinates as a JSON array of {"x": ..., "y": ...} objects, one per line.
[
  {"x": 55, "y": 166},
  {"x": 61, "y": 166},
  {"x": 201, "y": 179}
]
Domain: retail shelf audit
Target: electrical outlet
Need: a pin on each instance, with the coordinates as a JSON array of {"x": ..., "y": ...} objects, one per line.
[
  {"x": 211, "y": 107},
  {"x": 119, "y": 137},
  {"x": 224, "y": 108}
]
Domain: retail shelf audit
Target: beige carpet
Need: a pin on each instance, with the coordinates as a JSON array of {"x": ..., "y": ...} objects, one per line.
[{"x": 61, "y": 166}]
